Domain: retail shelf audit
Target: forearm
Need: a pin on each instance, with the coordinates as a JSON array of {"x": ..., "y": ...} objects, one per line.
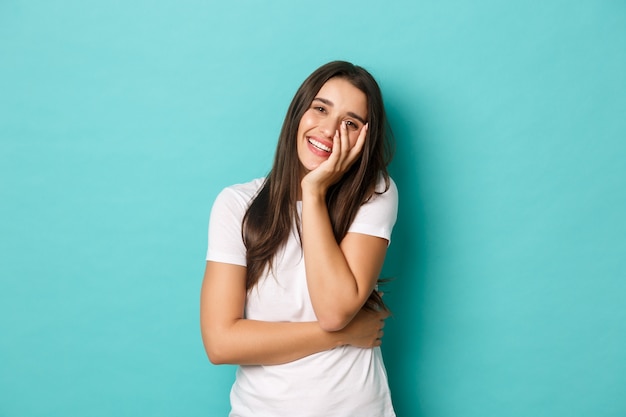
[
  {"x": 230, "y": 338},
  {"x": 251, "y": 342},
  {"x": 335, "y": 292}
]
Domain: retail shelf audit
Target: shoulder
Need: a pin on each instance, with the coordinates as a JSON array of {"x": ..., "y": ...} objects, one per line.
[
  {"x": 240, "y": 194},
  {"x": 385, "y": 190},
  {"x": 378, "y": 215},
  {"x": 225, "y": 239},
  {"x": 384, "y": 198}
]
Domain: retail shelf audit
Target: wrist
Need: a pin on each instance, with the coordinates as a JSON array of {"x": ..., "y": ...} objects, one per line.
[
  {"x": 313, "y": 193},
  {"x": 337, "y": 338}
]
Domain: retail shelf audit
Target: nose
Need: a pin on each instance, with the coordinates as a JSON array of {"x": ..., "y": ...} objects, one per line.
[{"x": 328, "y": 127}]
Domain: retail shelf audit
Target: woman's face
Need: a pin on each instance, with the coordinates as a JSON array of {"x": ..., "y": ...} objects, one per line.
[{"x": 337, "y": 101}]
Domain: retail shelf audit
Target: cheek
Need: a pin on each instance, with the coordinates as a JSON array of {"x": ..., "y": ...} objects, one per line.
[
  {"x": 353, "y": 137},
  {"x": 306, "y": 122}
]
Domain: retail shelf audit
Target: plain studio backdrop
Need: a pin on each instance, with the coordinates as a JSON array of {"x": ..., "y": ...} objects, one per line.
[{"x": 121, "y": 121}]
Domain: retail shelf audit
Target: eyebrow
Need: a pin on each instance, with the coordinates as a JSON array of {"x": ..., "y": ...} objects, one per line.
[{"x": 330, "y": 103}]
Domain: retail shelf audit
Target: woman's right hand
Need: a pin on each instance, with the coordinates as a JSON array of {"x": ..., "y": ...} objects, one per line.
[{"x": 365, "y": 330}]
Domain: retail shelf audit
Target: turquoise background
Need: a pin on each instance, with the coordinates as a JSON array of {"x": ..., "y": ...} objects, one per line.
[{"x": 121, "y": 121}]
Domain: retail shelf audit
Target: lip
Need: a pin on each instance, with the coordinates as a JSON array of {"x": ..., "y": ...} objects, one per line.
[{"x": 315, "y": 150}]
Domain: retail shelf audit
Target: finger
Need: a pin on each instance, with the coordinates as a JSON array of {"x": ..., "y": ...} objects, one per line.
[
  {"x": 335, "y": 152},
  {"x": 360, "y": 142},
  {"x": 345, "y": 141}
]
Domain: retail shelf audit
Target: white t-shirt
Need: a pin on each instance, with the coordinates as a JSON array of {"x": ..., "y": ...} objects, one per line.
[{"x": 342, "y": 382}]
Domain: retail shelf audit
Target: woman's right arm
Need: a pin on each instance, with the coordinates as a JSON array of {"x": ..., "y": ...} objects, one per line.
[{"x": 229, "y": 338}]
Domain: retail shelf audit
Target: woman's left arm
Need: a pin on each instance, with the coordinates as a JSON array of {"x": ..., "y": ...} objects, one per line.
[{"x": 340, "y": 277}]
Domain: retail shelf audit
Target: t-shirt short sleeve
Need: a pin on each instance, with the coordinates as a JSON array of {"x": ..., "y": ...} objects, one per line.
[
  {"x": 225, "y": 239},
  {"x": 378, "y": 215}
]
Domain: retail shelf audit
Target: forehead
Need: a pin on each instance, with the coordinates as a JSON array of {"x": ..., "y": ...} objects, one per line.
[{"x": 344, "y": 95}]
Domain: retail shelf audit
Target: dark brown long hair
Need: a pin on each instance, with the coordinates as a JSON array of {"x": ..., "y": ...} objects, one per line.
[{"x": 272, "y": 213}]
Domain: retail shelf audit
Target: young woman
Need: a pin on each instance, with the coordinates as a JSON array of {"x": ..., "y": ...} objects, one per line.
[{"x": 289, "y": 290}]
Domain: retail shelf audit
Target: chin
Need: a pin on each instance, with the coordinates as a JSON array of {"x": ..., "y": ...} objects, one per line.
[{"x": 306, "y": 167}]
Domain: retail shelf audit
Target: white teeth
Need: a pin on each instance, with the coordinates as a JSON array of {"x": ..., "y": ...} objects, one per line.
[{"x": 319, "y": 145}]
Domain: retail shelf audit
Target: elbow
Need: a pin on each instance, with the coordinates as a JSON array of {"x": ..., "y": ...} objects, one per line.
[
  {"x": 216, "y": 359},
  {"x": 217, "y": 356},
  {"x": 335, "y": 319},
  {"x": 216, "y": 350},
  {"x": 333, "y": 322}
]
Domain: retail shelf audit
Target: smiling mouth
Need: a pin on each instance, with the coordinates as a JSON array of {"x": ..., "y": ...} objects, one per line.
[{"x": 319, "y": 145}]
